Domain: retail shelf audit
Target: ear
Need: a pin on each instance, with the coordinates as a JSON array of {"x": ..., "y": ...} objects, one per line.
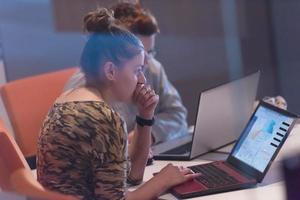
[{"x": 110, "y": 71}]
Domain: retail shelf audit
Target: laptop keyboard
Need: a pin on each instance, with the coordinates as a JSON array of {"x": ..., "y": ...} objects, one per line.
[
  {"x": 186, "y": 148},
  {"x": 213, "y": 177}
]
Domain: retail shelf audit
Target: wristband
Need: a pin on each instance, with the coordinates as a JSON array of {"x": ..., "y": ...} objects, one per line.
[{"x": 144, "y": 122}]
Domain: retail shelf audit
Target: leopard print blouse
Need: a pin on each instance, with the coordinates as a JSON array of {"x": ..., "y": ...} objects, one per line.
[{"x": 82, "y": 151}]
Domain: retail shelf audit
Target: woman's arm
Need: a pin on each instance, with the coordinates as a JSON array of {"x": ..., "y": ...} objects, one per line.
[
  {"x": 169, "y": 176},
  {"x": 138, "y": 153},
  {"x": 146, "y": 101}
]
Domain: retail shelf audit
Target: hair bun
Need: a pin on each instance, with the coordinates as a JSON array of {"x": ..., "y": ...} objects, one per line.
[{"x": 98, "y": 21}]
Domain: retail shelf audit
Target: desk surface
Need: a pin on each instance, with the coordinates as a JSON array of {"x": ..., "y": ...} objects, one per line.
[{"x": 271, "y": 187}]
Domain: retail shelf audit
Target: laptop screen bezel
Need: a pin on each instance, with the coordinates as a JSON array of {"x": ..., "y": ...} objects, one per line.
[{"x": 247, "y": 168}]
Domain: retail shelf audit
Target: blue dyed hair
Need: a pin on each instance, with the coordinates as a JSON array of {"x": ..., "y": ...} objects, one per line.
[{"x": 108, "y": 41}]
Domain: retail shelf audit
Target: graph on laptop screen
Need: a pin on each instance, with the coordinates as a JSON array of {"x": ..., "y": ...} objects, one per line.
[{"x": 262, "y": 137}]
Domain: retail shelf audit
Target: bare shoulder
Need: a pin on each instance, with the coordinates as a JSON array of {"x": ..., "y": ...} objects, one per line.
[{"x": 78, "y": 94}]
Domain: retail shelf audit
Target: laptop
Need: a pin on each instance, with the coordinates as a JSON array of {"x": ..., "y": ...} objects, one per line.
[
  {"x": 249, "y": 160},
  {"x": 222, "y": 114}
]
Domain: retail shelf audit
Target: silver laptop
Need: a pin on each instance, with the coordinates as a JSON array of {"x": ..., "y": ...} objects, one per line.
[{"x": 222, "y": 114}]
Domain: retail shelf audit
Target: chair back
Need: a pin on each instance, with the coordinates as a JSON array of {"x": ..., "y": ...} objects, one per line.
[
  {"x": 15, "y": 174},
  {"x": 11, "y": 158},
  {"x": 27, "y": 102}
]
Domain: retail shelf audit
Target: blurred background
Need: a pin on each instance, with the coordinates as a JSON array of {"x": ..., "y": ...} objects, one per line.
[{"x": 203, "y": 43}]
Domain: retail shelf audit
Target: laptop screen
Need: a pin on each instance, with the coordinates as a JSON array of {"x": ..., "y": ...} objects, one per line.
[{"x": 261, "y": 138}]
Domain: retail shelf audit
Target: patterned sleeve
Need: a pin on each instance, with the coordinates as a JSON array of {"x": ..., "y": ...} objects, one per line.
[
  {"x": 110, "y": 176},
  {"x": 62, "y": 165}
]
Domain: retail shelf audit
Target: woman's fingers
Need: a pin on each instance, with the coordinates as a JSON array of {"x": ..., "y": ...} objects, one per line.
[
  {"x": 136, "y": 93},
  {"x": 186, "y": 171},
  {"x": 145, "y": 99},
  {"x": 153, "y": 99},
  {"x": 143, "y": 95},
  {"x": 140, "y": 90},
  {"x": 191, "y": 176},
  {"x": 148, "y": 93}
]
